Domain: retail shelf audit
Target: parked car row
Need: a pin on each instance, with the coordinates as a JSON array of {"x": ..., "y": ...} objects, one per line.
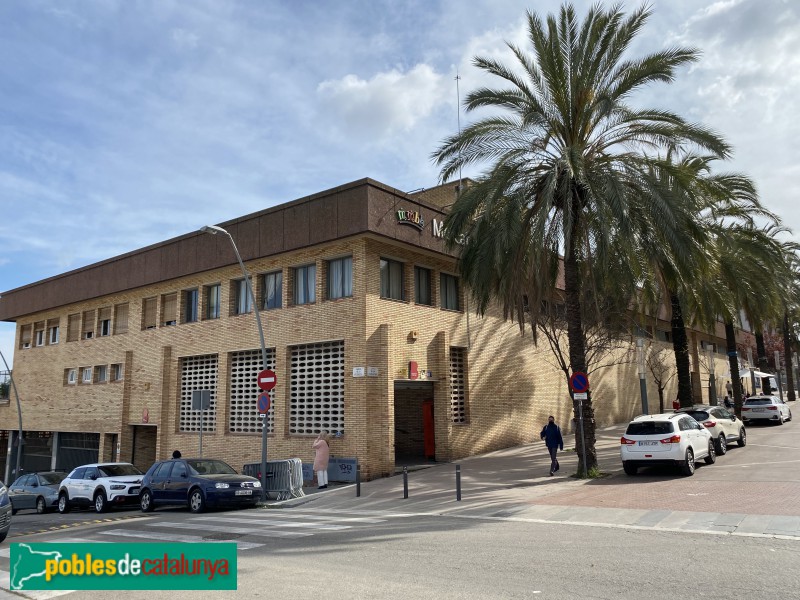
[
  {"x": 692, "y": 433},
  {"x": 195, "y": 482}
]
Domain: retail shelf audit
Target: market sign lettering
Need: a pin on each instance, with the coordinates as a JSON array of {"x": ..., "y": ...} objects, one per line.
[{"x": 411, "y": 217}]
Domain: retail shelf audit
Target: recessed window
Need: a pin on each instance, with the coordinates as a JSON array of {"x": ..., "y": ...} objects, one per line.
[
  {"x": 149, "y": 310},
  {"x": 392, "y": 279},
  {"x": 121, "y": 318},
  {"x": 25, "y": 336},
  {"x": 101, "y": 373},
  {"x": 272, "y": 286},
  {"x": 212, "y": 298},
  {"x": 116, "y": 372},
  {"x": 448, "y": 291},
  {"x": 53, "y": 335},
  {"x": 241, "y": 298},
  {"x": 104, "y": 321},
  {"x": 88, "y": 325},
  {"x": 305, "y": 281},
  {"x": 74, "y": 327},
  {"x": 190, "y": 298},
  {"x": 40, "y": 338},
  {"x": 169, "y": 309},
  {"x": 340, "y": 278},
  {"x": 72, "y": 376},
  {"x": 86, "y": 375},
  {"x": 422, "y": 286}
]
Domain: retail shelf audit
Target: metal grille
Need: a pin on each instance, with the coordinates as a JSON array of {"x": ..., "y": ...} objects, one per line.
[
  {"x": 458, "y": 385},
  {"x": 316, "y": 388},
  {"x": 198, "y": 373},
  {"x": 245, "y": 366}
]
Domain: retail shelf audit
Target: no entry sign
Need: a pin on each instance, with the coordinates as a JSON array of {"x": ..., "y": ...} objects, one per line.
[{"x": 266, "y": 379}]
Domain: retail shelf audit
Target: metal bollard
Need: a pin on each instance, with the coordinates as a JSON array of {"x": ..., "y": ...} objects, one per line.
[
  {"x": 405, "y": 482},
  {"x": 458, "y": 483},
  {"x": 358, "y": 480}
]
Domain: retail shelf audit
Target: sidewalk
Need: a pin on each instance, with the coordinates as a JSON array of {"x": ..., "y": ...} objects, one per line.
[{"x": 513, "y": 484}]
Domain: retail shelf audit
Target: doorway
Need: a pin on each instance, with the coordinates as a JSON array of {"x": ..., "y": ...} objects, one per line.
[
  {"x": 144, "y": 446},
  {"x": 414, "y": 430}
]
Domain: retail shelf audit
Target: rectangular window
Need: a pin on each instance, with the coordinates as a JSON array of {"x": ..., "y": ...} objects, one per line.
[
  {"x": 448, "y": 291},
  {"x": 213, "y": 298},
  {"x": 104, "y": 321},
  {"x": 72, "y": 376},
  {"x": 422, "y": 286},
  {"x": 25, "y": 336},
  {"x": 74, "y": 327},
  {"x": 149, "y": 309},
  {"x": 316, "y": 388},
  {"x": 121, "y": 318},
  {"x": 458, "y": 385},
  {"x": 88, "y": 324},
  {"x": 340, "y": 278},
  {"x": 86, "y": 374},
  {"x": 190, "y": 298},
  {"x": 305, "y": 281},
  {"x": 241, "y": 298},
  {"x": 52, "y": 333},
  {"x": 38, "y": 333},
  {"x": 116, "y": 372},
  {"x": 101, "y": 373},
  {"x": 169, "y": 309},
  {"x": 392, "y": 279},
  {"x": 272, "y": 286}
]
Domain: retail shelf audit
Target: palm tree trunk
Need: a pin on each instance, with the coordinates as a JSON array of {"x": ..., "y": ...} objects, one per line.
[
  {"x": 680, "y": 345},
  {"x": 763, "y": 365},
  {"x": 787, "y": 354},
  {"x": 733, "y": 361},
  {"x": 577, "y": 356}
]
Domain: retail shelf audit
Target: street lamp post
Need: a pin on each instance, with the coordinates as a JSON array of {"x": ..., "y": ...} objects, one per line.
[
  {"x": 214, "y": 230},
  {"x": 642, "y": 375},
  {"x": 778, "y": 372},
  {"x": 20, "y": 441}
]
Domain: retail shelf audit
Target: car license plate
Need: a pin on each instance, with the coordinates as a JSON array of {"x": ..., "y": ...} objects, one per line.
[
  {"x": 759, "y": 410},
  {"x": 647, "y": 443},
  {"x": 244, "y": 492}
]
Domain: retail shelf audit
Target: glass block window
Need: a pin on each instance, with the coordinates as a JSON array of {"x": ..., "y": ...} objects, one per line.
[
  {"x": 198, "y": 373},
  {"x": 458, "y": 385},
  {"x": 316, "y": 388},
  {"x": 243, "y": 417}
]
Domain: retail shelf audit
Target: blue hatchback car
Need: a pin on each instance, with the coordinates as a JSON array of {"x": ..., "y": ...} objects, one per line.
[{"x": 197, "y": 483}]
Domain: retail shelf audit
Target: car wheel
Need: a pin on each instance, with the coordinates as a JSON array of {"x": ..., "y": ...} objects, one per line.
[
  {"x": 14, "y": 511},
  {"x": 711, "y": 458},
  {"x": 630, "y": 469},
  {"x": 196, "y": 501},
  {"x": 146, "y": 501},
  {"x": 41, "y": 507},
  {"x": 722, "y": 444},
  {"x": 742, "y": 441},
  {"x": 63, "y": 503},
  {"x": 100, "y": 502},
  {"x": 780, "y": 419},
  {"x": 688, "y": 463},
  {"x": 790, "y": 416}
]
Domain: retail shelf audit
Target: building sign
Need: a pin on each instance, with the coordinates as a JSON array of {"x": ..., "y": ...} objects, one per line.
[{"x": 411, "y": 217}]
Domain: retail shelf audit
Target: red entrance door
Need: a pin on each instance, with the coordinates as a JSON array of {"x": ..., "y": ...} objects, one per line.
[{"x": 428, "y": 429}]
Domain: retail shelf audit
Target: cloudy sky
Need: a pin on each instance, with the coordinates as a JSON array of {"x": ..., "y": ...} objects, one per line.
[{"x": 126, "y": 123}]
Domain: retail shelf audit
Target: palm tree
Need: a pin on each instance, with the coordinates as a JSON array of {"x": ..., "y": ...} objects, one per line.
[{"x": 570, "y": 170}]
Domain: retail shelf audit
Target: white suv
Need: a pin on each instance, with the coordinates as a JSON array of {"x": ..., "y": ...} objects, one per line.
[
  {"x": 723, "y": 425},
  {"x": 668, "y": 439},
  {"x": 100, "y": 485},
  {"x": 765, "y": 408}
]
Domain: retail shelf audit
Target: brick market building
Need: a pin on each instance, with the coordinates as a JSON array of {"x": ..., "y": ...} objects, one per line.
[{"x": 367, "y": 326}]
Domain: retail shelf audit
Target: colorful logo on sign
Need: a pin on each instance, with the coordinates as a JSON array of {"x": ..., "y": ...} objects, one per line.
[
  {"x": 410, "y": 217},
  {"x": 111, "y": 566}
]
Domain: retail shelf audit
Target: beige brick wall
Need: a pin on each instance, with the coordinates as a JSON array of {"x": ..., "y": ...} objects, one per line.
[{"x": 513, "y": 384}]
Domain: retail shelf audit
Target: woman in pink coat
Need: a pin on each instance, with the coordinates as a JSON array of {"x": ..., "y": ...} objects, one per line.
[{"x": 321, "y": 456}]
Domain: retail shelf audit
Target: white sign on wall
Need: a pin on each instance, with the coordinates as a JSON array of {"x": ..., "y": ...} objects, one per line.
[
  {"x": 358, "y": 371},
  {"x": 372, "y": 371}
]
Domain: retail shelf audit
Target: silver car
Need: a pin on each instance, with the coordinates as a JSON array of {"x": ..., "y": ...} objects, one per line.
[
  {"x": 35, "y": 491},
  {"x": 765, "y": 408}
]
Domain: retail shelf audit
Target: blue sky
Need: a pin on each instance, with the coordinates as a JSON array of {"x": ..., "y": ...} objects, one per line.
[{"x": 125, "y": 123}]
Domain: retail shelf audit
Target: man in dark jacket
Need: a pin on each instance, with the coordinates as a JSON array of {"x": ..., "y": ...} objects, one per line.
[{"x": 551, "y": 434}]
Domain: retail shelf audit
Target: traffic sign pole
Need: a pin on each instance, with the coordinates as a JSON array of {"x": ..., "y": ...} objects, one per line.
[{"x": 579, "y": 384}]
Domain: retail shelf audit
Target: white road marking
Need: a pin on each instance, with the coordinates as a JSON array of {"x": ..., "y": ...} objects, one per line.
[
  {"x": 274, "y": 523},
  {"x": 242, "y": 530},
  {"x": 174, "y": 537}
]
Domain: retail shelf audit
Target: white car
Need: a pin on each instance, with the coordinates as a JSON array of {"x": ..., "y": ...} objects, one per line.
[
  {"x": 100, "y": 485},
  {"x": 723, "y": 425},
  {"x": 668, "y": 439},
  {"x": 765, "y": 408}
]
